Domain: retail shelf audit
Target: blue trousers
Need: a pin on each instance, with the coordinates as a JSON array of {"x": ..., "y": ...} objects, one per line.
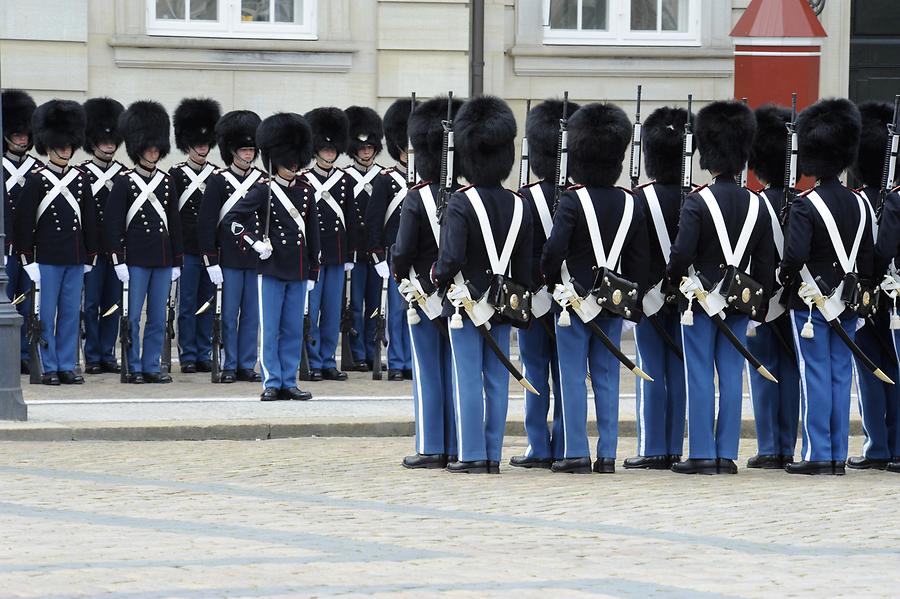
[
  {"x": 432, "y": 388},
  {"x": 325, "y": 303},
  {"x": 707, "y": 352},
  {"x": 878, "y": 401},
  {"x": 582, "y": 351},
  {"x": 776, "y": 406},
  {"x": 194, "y": 332},
  {"x": 152, "y": 285},
  {"x": 60, "y": 308},
  {"x": 541, "y": 368},
  {"x": 481, "y": 392},
  {"x": 19, "y": 283},
  {"x": 281, "y": 306},
  {"x": 398, "y": 353},
  {"x": 240, "y": 318},
  {"x": 365, "y": 299},
  {"x": 660, "y": 405},
  {"x": 825, "y": 378},
  {"x": 102, "y": 289}
]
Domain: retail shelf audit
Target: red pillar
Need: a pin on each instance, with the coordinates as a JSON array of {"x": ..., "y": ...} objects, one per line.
[{"x": 777, "y": 51}]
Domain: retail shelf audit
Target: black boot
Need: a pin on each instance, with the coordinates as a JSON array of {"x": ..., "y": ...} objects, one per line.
[
  {"x": 521, "y": 461},
  {"x": 693, "y": 466},
  {"x": 68, "y": 377},
  {"x": 425, "y": 461},
  {"x": 766, "y": 462},
  {"x": 648, "y": 462},
  {"x": 478, "y": 467},
  {"x": 572, "y": 465},
  {"x": 605, "y": 466},
  {"x": 811, "y": 468}
]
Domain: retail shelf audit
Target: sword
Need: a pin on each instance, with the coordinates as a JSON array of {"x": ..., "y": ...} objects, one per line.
[
  {"x": 720, "y": 323},
  {"x": 420, "y": 299},
  {"x": 206, "y": 306},
  {"x": 664, "y": 335}
]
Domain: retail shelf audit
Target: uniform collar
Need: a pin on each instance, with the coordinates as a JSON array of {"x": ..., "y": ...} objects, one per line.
[
  {"x": 400, "y": 168},
  {"x": 322, "y": 172},
  {"x": 284, "y": 182},
  {"x": 15, "y": 158},
  {"x": 143, "y": 172},
  {"x": 238, "y": 171},
  {"x": 59, "y": 170},
  {"x": 196, "y": 167},
  {"x": 101, "y": 163},
  {"x": 361, "y": 168},
  {"x": 830, "y": 180}
]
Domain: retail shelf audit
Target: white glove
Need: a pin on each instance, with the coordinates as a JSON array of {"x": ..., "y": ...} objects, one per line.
[
  {"x": 382, "y": 269},
  {"x": 310, "y": 285},
  {"x": 34, "y": 271},
  {"x": 688, "y": 286},
  {"x": 176, "y": 272},
  {"x": 405, "y": 287},
  {"x": 263, "y": 249},
  {"x": 563, "y": 294},
  {"x": 457, "y": 293},
  {"x": 890, "y": 284},
  {"x": 807, "y": 293},
  {"x": 215, "y": 274},
  {"x": 122, "y": 272},
  {"x": 88, "y": 268},
  {"x": 348, "y": 266}
]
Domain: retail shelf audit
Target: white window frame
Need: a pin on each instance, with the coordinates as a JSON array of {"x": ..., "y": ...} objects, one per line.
[
  {"x": 229, "y": 24},
  {"x": 619, "y": 32}
]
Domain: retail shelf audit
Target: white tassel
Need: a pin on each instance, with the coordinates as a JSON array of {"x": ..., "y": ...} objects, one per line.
[
  {"x": 456, "y": 320},
  {"x": 687, "y": 317},
  {"x": 895, "y": 320},
  {"x": 751, "y": 332},
  {"x": 564, "y": 319},
  {"x": 412, "y": 315},
  {"x": 808, "y": 332}
]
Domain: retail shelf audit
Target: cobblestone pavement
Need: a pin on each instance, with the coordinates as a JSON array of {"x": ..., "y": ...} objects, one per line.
[{"x": 339, "y": 517}]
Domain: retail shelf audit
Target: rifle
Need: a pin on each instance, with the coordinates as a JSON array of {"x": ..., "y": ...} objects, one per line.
[
  {"x": 890, "y": 160},
  {"x": 304, "y": 370},
  {"x": 348, "y": 332},
  {"x": 216, "y": 375},
  {"x": 636, "y": 143},
  {"x": 447, "y": 175},
  {"x": 790, "y": 164},
  {"x": 165, "y": 362},
  {"x": 410, "y": 152},
  {"x": 124, "y": 336},
  {"x": 35, "y": 336},
  {"x": 687, "y": 155},
  {"x": 380, "y": 332},
  {"x": 562, "y": 154},
  {"x": 524, "y": 165},
  {"x": 745, "y": 173}
]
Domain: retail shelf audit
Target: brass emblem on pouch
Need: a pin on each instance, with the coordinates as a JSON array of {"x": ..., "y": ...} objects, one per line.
[
  {"x": 514, "y": 301},
  {"x": 617, "y": 297},
  {"x": 866, "y": 298},
  {"x": 745, "y": 295}
]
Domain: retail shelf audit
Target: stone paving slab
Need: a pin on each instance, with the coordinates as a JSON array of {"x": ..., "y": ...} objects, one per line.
[{"x": 339, "y": 517}]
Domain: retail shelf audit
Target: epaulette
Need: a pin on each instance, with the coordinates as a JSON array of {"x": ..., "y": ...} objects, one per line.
[
  {"x": 625, "y": 189},
  {"x": 466, "y": 188},
  {"x": 895, "y": 190},
  {"x": 803, "y": 194},
  {"x": 388, "y": 170},
  {"x": 419, "y": 185},
  {"x": 575, "y": 187},
  {"x": 531, "y": 184},
  {"x": 298, "y": 181},
  {"x": 648, "y": 183},
  {"x": 179, "y": 164},
  {"x": 218, "y": 171},
  {"x": 697, "y": 188},
  {"x": 858, "y": 189}
]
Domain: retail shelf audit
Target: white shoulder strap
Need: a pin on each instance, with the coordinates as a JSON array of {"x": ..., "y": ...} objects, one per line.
[
  {"x": 777, "y": 233},
  {"x": 240, "y": 190},
  {"x": 103, "y": 177},
  {"x": 147, "y": 194},
  {"x": 659, "y": 221},
  {"x": 431, "y": 211},
  {"x": 197, "y": 181},
  {"x": 847, "y": 262},
  {"x": 587, "y": 205},
  {"x": 60, "y": 187},
  {"x": 288, "y": 206},
  {"x": 733, "y": 256},
  {"x": 543, "y": 209},
  {"x": 398, "y": 198},
  {"x": 16, "y": 176},
  {"x": 499, "y": 264}
]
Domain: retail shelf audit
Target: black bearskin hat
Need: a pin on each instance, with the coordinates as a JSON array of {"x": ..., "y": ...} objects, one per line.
[
  {"x": 18, "y": 108},
  {"x": 194, "y": 122},
  {"x": 485, "y": 134},
  {"x": 284, "y": 139},
  {"x": 427, "y": 136},
  {"x": 724, "y": 134},
  {"x": 102, "y": 122},
  {"x": 145, "y": 124},
  {"x": 236, "y": 130},
  {"x": 768, "y": 154},
  {"x": 828, "y": 137},
  {"x": 395, "y": 121},
  {"x": 330, "y": 129},
  {"x": 58, "y": 124},
  {"x": 599, "y": 135},
  {"x": 365, "y": 128},
  {"x": 542, "y": 130},
  {"x": 662, "y": 141},
  {"x": 872, "y": 142}
]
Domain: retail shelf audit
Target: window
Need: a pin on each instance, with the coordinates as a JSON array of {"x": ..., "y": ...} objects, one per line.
[
  {"x": 622, "y": 22},
  {"x": 267, "y": 19}
]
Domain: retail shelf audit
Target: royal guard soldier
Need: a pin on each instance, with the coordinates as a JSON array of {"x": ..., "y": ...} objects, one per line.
[
  {"x": 776, "y": 406},
  {"x": 339, "y": 233},
  {"x": 383, "y": 220},
  {"x": 18, "y": 107},
  {"x": 412, "y": 255},
  {"x": 365, "y": 135},
  {"x": 102, "y": 289},
  {"x": 228, "y": 260},
  {"x": 724, "y": 231},
  {"x": 485, "y": 245},
  {"x": 828, "y": 246},
  {"x": 143, "y": 234},
  {"x": 537, "y": 343},
  {"x": 55, "y": 235},
  {"x": 879, "y": 402},
  {"x": 598, "y": 233},
  {"x": 194, "y": 122},
  {"x": 288, "y": 269},
  {"x": 660, "y": 405}
]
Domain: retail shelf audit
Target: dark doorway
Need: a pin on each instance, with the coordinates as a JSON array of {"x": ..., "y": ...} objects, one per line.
[{"x": 874, "y": 50}]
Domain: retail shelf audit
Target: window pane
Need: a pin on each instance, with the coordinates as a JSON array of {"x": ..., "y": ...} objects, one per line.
[
  {"x": 593, "y": 14},
  {"x": 674, "y": 15},
  {"x": 643, "y": 15},
  {"x": 287, "y": 11},
  {"x": 255, "y": 10},
  {"x": 563, "y": 14},
  {"x": 170, "y": 9},
  {"x": 204, "y": 10}
]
